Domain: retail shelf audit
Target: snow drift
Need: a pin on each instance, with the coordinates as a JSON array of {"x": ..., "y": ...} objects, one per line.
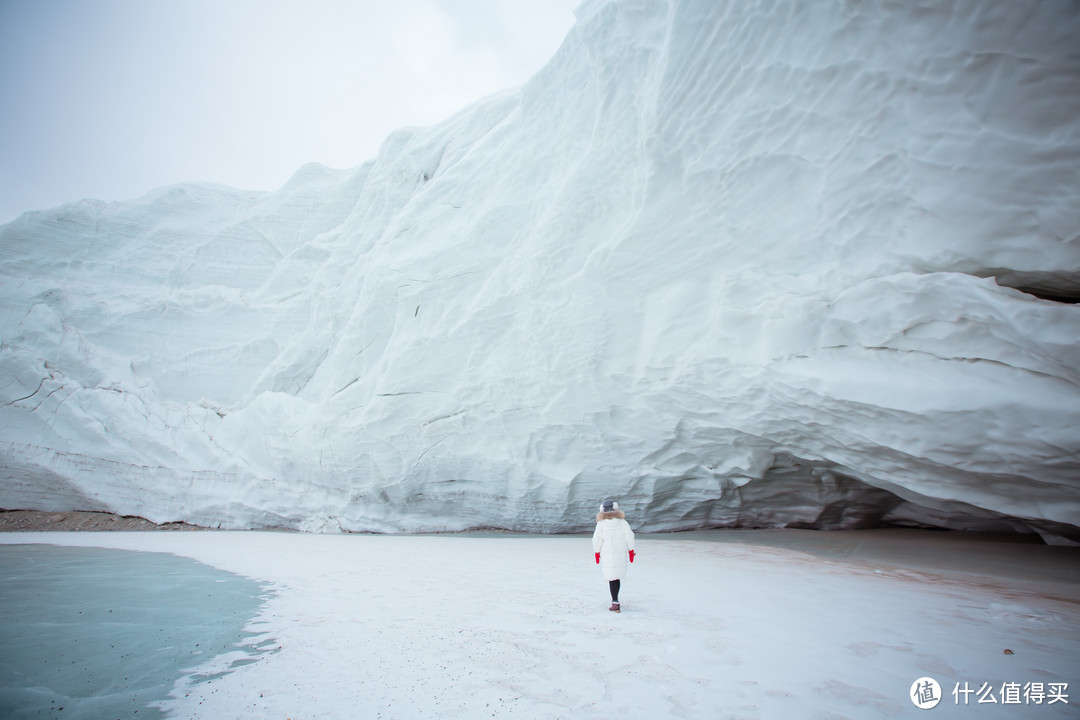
[{"x": 736, "y": 264}]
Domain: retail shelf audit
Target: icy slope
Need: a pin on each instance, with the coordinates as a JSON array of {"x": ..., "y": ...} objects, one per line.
[{"x": 734, "y": 264}]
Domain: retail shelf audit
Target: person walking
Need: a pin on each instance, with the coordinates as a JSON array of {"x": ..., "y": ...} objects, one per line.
[{"x": 613, "y": 545}]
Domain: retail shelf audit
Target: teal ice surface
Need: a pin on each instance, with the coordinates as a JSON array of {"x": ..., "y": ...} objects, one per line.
[{"x": 97, "y": 633}]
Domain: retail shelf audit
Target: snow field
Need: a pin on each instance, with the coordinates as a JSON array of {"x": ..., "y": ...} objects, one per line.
[{"x": 516, "y": 626}]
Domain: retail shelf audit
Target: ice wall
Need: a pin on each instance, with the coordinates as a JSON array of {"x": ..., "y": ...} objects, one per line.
[{"x": 733, "y": 263}]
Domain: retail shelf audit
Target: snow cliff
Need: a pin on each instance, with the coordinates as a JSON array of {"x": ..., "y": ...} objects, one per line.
[{"x": 735, "y": 264}]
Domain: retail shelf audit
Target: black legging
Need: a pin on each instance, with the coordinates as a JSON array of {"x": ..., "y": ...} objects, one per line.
[{"x": 614, "y": 586}]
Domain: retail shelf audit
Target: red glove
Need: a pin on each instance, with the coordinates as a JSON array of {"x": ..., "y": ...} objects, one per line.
[
  {"x": 631, "y": 556},
  {"x": 597, "y": 558}
]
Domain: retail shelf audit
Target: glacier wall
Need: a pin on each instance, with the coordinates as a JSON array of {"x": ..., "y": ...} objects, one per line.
[{"x": 735, "y": 264}]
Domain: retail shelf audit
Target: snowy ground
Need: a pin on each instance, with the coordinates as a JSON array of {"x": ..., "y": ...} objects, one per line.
[{"x": 715, "y": 625}]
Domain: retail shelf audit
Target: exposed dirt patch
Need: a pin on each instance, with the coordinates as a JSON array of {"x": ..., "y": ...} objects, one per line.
[{"x": 41, "y": 521}]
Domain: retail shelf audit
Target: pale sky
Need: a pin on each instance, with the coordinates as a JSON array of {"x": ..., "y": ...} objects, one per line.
[{"x": 111, "y": 98}]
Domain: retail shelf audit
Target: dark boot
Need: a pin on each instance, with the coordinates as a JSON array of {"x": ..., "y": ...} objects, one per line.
[{"x": 614, "y": 607}]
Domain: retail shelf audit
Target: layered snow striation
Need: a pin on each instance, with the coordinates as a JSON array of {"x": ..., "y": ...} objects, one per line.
[{"x": 734, "y": 264}]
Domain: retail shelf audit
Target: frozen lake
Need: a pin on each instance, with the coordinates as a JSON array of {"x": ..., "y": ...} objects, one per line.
[
  {"x": 747, "y": 625},
  {"x": 102, "y": 633}
]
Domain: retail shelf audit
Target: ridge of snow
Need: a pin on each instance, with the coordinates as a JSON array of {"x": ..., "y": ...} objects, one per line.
[{"x": 733, "y": 264}]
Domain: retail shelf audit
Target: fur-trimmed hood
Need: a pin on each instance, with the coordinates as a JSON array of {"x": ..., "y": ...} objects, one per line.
[{"x": 610, "y": 515}]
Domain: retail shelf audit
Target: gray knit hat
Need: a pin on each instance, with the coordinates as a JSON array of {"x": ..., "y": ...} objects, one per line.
[{"x": 609, "y": 505}]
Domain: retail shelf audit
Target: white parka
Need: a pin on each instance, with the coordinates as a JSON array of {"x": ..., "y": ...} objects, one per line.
[{"x": 613, "y": 539}]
